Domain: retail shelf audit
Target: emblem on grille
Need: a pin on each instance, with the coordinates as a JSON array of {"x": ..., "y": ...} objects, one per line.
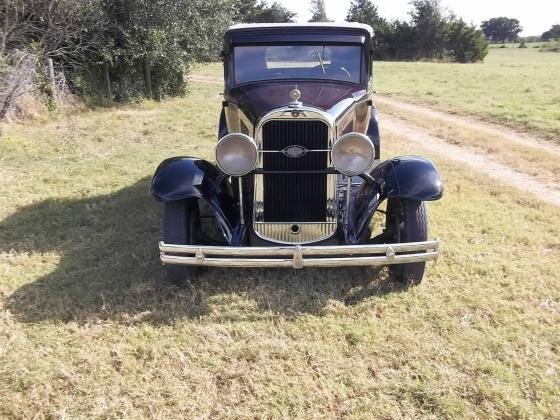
[{"x": 294, "y": 151}]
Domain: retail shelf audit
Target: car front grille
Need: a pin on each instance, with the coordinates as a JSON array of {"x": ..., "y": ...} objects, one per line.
[{"x": 300, "y": 197}]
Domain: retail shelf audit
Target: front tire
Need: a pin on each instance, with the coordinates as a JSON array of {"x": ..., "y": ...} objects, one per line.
[
  {"x": 180, "y": 221},
  {"x": 408, "y": 219}
]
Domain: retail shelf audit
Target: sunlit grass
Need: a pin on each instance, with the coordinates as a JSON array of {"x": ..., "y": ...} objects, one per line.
[
  {"x": 88, "y": 329},
  {"x": 516, "y": 86}
]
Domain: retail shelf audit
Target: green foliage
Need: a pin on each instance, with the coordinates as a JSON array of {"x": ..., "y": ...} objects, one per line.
[
  {"x": 501, "y": 29},
  {"x": 131, "y": 48},
  {"x": 430, "y": 27},
  {"x": 430, "y": 34},
  {"x": 364, "y": 11},
  {"x": 399, "y": 42},
  {"x": 150, "y": 44},
  {"x": 319, "y": 11},
  {"x": 276, "y": 13},
  {"x": 254, "y": 11},
  {"x": 552, "y": 34},
  {"x": 465, "y": 43}
]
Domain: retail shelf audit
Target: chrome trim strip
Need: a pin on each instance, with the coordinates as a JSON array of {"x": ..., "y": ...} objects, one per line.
[
  {"x": 241, "y": 208},
  {"x": 280, "y": 151},
  {"x": 295, "y": 256}
]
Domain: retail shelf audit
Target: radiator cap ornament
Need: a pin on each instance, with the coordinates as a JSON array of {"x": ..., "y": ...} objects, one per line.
[{"x": 295, "y": 94}]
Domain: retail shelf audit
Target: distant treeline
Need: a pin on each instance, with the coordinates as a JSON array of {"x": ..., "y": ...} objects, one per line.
[{"x": 431, "y": 34}]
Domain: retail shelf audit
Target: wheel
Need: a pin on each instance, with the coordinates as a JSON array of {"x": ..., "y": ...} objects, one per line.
[
  {"x": 408, "y": 220},
  {"x": 180, "y": 222}
]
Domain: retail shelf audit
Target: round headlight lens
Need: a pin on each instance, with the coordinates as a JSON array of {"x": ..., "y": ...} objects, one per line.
[
  {"x": 236, "y": 154},
  {"x": 353, "y": 154}
]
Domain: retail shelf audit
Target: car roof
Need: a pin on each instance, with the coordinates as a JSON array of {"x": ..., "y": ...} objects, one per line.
[{"x": 301, "y": 26}]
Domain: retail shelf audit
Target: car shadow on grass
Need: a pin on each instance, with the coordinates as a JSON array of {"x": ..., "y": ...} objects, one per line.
[{"x": 109, "y": 269}]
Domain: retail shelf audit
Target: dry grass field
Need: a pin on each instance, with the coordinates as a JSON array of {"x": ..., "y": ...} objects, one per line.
[{"x": 88, "y": 327}]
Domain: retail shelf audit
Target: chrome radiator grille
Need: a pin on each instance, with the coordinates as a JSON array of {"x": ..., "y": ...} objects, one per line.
[{"x": 295, "y": 197}]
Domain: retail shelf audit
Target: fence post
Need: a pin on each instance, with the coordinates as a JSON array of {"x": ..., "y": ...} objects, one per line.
[
  {"x": 50, "y": 65},
  {"x": 107, "y": 81}
]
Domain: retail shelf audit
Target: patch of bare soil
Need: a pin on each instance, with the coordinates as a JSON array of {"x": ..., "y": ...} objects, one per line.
[{"x": 206, "y": 79}]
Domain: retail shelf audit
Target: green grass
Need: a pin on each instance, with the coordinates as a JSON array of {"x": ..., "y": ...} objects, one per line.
[
  {"x": 516, "y": 45},
  {"x": 515, "y": 86},
  {"x": 88, "y": 329}
]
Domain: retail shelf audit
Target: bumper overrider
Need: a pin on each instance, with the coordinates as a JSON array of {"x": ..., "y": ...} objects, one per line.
[{"x": 299, "y": 256}]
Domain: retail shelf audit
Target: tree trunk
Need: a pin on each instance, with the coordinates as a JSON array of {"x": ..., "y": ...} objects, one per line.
[{"x": 148, "y": 79}]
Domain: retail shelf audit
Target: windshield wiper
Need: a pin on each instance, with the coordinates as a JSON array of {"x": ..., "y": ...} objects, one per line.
[{"x": 321, "y": 61}]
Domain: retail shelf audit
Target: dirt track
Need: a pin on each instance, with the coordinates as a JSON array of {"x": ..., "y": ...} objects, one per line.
[{"x": 487, "y": 164}]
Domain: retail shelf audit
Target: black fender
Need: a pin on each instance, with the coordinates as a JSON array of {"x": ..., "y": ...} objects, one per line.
[
  {"x": 409, "y": 177},
  {"x": 184, "y": 177}
]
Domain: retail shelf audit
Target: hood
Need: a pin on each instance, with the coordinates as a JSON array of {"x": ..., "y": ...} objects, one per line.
[{"x": 258, "y": 99}]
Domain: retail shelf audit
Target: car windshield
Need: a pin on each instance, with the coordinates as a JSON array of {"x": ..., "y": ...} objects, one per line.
[{"x": 328, "y": 62}]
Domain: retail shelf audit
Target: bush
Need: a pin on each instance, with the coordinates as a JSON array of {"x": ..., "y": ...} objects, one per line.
[
  {"x": 553, "y": 46},
  {"x": 465, "y": 43}
]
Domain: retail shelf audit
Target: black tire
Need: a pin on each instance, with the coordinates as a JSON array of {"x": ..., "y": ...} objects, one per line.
[
  {"x": 409, "y": 219},
  {"x": 180, "y": 222}
]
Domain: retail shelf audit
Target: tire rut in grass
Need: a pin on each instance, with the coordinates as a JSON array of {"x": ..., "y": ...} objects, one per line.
[{"x": 485, "y": 164}]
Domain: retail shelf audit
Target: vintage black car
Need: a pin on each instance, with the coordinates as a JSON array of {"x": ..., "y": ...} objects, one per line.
[{"x": 298, "y": 174}]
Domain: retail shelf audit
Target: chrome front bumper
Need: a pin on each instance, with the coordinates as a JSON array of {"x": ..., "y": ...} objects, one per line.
[{"x": 299, "y": 256}]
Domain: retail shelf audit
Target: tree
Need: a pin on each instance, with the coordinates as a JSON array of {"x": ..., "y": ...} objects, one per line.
[
  {"x": 364, "y": 11},
  {"x": 153, "y": 41},
  {"x": 319, "y": 11},
  {"x": 430, "y": 26},
  {"x": 66, "y": 30},
  {"x": 399, "y": 42},
  {"x": 275, "y": 13},
  {"x": 465, "y": 43},
  {"x": 552, "y": 34},
  {"x": 254, "y": 11},
  {"x": 501, "y": 29}
]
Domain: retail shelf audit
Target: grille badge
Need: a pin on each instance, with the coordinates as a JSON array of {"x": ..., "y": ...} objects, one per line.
[{"x": 294, "y": 151}]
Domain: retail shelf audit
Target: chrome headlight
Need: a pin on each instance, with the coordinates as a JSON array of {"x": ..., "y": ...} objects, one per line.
[
  {"x": 236, "y": 154},
  {"x": 353, "y": 154}
]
